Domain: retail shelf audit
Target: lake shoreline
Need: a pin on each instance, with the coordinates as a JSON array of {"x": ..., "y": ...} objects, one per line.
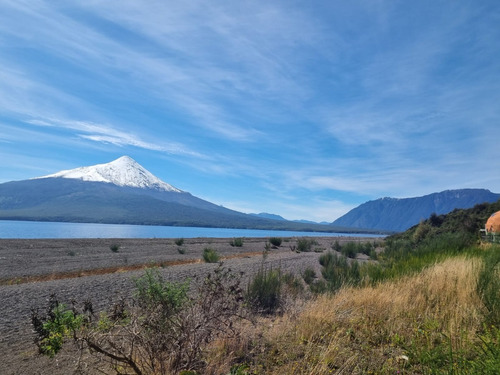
[{"x": 11, "y": 229}]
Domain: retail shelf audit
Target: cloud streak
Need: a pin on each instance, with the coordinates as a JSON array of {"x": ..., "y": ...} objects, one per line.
[{"x": 109, "y": 135}]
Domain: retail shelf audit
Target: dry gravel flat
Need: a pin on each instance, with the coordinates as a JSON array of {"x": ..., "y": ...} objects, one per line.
[{"x": 48, "y": 258}]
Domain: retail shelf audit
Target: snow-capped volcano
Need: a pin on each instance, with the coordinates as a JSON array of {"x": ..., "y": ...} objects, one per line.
[{"x": 123, "y": 171}]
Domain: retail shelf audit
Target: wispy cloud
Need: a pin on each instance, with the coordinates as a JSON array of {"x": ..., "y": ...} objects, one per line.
[
  {"x": 107, "y": 134},
  {"x": 260, "y": 68},
  {"x": 185, "y": 84}
]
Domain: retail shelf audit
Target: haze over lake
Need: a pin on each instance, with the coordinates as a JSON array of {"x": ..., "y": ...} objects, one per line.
[{"x": 37, "y": 229}]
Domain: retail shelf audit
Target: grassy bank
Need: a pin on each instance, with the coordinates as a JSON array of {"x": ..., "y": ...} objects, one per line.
[{"x": 431, "y": 322}]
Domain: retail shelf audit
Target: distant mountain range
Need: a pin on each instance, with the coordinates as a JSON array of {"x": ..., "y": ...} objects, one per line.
[
  {"x": 124, "y": 192},
  {"x": 397, "y": 215},
  {"x": 265, "y": 215},
  {"x": 278, "y": 217}
]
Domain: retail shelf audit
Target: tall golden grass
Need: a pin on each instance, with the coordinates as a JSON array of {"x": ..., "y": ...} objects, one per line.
[{"x": 376, "y": 330}]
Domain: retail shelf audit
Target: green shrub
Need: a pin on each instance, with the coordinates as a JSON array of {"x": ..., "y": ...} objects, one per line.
[
  {"x": 292, "y": 285},
  {"x": 366, "y": 248},
  {"x": 309, "y": 275},
  {"x": 276, "y": 241},
  {"x": 336, "y": 246},
  {"x": 349, "y": 249},
  {"x": 179, "y": 241},
  {"x": 423, "y": 229},
  {"x": 210, "y": 255},
  {"x": 305, "y": 245},
  {"x": 238, "y": 242},
  {"x": 114, "y": 247},
  {"x": 152, "y": 290},
  {"x": 338, "y": 271},
  {"x": 58, "y": 325},
  {"x": 264, "y": 291},
  {"x": 318, "y": 287},
  {"x": 181, "y": 250}
]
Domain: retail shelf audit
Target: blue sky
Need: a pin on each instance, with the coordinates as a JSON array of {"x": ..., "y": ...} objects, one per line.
[{"x": 300, "y": 108}]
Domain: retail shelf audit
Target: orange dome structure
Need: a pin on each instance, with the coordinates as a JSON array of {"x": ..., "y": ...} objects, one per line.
[{"x": 493, "y": 223}]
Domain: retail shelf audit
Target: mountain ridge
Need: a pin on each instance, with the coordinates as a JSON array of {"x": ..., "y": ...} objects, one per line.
[
  {"x": 267, "y": 215},
  {"x": 399, "y": 214}
]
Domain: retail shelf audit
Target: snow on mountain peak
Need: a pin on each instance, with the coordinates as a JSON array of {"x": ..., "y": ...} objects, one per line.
[{"x": 123, "y": 171}]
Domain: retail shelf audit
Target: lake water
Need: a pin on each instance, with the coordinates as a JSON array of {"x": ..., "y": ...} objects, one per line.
[{"x": 38, "y": 229}]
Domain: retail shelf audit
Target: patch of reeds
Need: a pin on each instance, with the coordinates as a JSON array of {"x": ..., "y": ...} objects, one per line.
[{"x": 264, "y": 292}]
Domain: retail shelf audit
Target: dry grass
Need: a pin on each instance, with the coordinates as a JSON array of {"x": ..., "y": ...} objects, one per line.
[{"x": 378, "y": 329}]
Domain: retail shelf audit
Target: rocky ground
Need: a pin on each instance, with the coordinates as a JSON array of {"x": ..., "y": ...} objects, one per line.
[{"x": 80, "y": 269}]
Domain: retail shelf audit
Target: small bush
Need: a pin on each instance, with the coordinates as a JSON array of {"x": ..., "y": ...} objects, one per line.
[
  {"x": 238, "y": 242},
  {"x": 336, "y": 246},
  {"x": 53, "y": 329},
  {"x": 267, "y": 248},
  {"x": 422, "y": 231},
  {"x": 276, "y": 241},
  {"x": 114, "y": 248},
  {"x": 309, "y": 275},
  {"x": 318, "y": 287},
  {"x": 305, "y": 245},
  {"x": 264, "y": 291},
  {"x": 179, "y": 241},
  {"x": 337, "y": 271},
  {"x": 349, "y": 249},
  {"x": 152, "y": 290},
  {"x": 210, "y": 255},
  {"x": 181, "y": 250},
  {"x": 293, "y": 286}
]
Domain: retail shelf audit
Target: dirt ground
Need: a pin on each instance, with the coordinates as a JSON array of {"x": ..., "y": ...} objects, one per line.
[{"x": 81, "y": 269}]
